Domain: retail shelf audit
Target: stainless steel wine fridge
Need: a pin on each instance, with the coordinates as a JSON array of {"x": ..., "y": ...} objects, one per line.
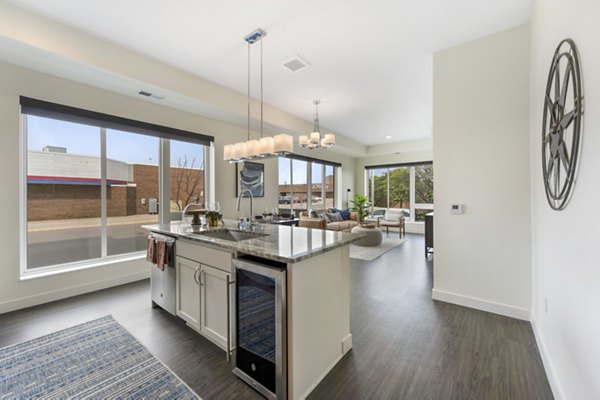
[{"x": 259, "y": 339}]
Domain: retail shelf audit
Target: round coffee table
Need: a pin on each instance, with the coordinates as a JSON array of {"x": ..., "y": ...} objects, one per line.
[{"x": 373, "y": 238}]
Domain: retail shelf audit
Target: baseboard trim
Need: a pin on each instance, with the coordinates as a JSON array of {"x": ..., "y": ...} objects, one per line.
[
  {"x": 481, "y": 304},
  {"x": 347, "y": 344},
  {"x": 313, "y": 385},
  {"x": 53, "y": 295},
  {"x": 548, "y": 365},
  {"x": 415, "y": 227}
]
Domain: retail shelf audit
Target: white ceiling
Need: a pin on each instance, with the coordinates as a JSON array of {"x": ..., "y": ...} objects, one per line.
[{"x": 371, "y": 61}]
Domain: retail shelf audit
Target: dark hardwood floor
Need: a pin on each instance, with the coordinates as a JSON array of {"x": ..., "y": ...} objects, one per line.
[{"x": 405, "y": 345}]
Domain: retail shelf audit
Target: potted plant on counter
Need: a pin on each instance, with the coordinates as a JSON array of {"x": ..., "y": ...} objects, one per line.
[
  {"x": 267, "y": 216},
  {"x": 361, "y": 207},
  {"x": 213, "y": 218}
]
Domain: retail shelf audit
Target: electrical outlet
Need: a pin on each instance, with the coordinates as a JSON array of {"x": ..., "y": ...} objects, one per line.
[{"x": 545, "y": 305}]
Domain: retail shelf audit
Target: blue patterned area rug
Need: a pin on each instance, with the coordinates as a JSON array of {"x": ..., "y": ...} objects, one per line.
[{"x": 98, "y": 360}]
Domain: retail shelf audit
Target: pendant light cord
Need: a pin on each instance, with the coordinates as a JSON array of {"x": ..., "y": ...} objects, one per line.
[
  {"x": 261, "y": 89},
  {"x": 316, "y": 127},
  {"x": 248, "y": 90}
]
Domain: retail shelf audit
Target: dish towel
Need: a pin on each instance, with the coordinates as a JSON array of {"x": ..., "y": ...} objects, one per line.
[
  {"x": 151, "y": 250},
  {"x": 161, "y": 254}
]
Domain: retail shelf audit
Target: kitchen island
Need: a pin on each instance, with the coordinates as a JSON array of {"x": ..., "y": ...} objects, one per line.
[{"x": 316, "y": 293}]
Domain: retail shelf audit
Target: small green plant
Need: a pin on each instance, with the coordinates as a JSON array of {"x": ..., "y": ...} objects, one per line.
[
  {"x": 361, "y": 206},
  {"x": 213, "y": 218}
]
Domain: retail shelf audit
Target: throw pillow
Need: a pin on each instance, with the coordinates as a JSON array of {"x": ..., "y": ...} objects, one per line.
[
  {"x": 325, "y": 216},
  {"x": 345, "y": 214},
  {"x": 335, "y": 217}
]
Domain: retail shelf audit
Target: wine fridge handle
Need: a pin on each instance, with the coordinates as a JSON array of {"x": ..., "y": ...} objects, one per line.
[{"x": 228, "y": 344}]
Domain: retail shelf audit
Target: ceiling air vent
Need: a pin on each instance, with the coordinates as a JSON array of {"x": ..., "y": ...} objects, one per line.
[
  {"x": 296, "y": 63},
  {"x": 152, "y": 96}
]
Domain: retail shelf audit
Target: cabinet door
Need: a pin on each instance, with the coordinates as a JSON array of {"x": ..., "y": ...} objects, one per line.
[
  {"x": 214, "y": 317},
  {"x": 188, "y": 291}
]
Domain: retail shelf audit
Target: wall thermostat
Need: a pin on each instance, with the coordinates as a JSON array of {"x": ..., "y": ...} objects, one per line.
[{"x": 456, "y": 208}]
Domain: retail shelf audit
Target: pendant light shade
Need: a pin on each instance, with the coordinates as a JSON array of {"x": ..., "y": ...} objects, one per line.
[
  {"x": 284, "y": 144},
  {"x": 315, "y": 138},
  {"x": 253, "y": 148},
  {"x": 228, "y": 152},
  {"x": 328, "y": 140},
  {"x": 267, "y": 146}
]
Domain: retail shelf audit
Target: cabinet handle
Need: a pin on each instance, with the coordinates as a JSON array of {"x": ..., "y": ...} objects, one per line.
[{"x": 196, "y": 275}]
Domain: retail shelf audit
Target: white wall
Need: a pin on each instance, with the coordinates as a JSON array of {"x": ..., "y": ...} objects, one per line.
[
  {"x": 15, "y": 293},
  {"x": 481, "y": 160},
  {"x": 566, "y": 270}
]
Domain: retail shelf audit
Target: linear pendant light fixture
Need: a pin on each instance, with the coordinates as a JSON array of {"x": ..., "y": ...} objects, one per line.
[
  {"x": 314, "y": 140},
  {"x": 278, "y": 145}
]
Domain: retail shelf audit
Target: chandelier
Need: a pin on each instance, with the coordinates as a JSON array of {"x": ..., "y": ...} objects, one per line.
[
  {"x": 315, "y": 140},
  {"x": 278, "y": 145}
]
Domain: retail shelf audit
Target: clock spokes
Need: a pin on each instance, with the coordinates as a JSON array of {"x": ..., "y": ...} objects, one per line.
[
  {"x": 565, "y": 85},
  {"x": 566, "y": 120}
]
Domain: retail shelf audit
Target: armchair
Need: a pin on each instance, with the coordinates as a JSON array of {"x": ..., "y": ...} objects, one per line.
[{"x": 393, "y": 218}]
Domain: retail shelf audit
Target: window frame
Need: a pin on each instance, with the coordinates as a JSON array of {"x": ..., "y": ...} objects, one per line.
[
  {"x": 370, "y": 186},
  {"x": 310, "y": 162},
  {"x": 103, "y": 122}
]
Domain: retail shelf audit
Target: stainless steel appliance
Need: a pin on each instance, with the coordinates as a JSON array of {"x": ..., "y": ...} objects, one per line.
[
  {"x": 162, "y": 283},
  {"x": 260, "y": 337}
]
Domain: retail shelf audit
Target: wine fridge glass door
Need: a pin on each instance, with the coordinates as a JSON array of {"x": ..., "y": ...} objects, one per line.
[{"x": 259, "y": 337}]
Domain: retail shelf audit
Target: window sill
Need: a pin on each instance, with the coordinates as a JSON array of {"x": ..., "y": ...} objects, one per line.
[{"x": 42, "y": 272}]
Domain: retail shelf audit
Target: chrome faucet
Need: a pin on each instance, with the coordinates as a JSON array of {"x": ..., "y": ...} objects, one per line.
[{"x": 239, "y": 202}]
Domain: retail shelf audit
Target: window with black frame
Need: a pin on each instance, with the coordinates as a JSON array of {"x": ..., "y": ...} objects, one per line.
[
  {"x": 408, "y": 187},
  {"x": 306, "y": 183},
  {"x": 92, "y": 181}
]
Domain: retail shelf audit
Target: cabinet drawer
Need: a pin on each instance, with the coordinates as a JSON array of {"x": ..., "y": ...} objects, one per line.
[{"x": 204, "y": 254}]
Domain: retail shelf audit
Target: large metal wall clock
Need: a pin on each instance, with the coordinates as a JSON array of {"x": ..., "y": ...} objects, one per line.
[{"x": 561, "y": 125}]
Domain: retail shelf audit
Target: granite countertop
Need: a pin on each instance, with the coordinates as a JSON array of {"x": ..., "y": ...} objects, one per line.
[{"x": 282, "y": 243}]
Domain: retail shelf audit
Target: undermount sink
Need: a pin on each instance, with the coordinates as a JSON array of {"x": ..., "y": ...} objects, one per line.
[{"x": 231, "y": 235}]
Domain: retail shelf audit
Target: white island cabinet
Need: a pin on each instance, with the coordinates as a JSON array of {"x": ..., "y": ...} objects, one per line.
[
  {"x": 317, "y": 298},
  {"x": 203, "y": 284},
  {"x": 187, "y": 300}
]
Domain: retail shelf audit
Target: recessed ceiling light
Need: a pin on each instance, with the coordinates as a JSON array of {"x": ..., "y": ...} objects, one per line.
[{"x": 388, "y": 137}]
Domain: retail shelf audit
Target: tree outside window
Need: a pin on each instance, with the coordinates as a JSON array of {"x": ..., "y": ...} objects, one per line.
[{"x": 394, "y": 187}]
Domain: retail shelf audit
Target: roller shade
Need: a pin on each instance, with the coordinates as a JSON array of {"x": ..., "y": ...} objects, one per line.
[
  {"x": 310, "y": 159},
  {"x": 413, "y": 164},
  {"x": 61, "y": 112}
]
